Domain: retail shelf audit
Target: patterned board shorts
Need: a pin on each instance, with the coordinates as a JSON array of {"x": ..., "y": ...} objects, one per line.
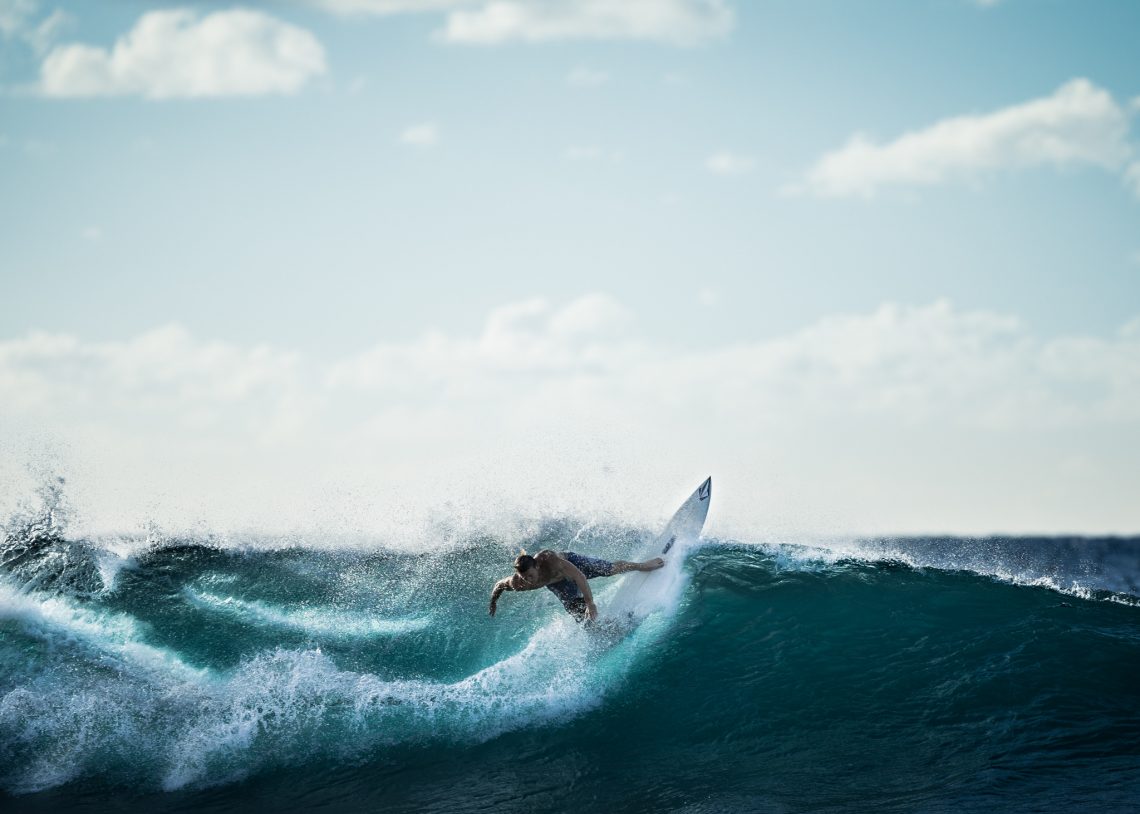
[{"x": 568, "y": 592}]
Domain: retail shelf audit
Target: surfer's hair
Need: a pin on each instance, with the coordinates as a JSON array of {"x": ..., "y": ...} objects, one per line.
[{"x": 524, "y": 562}]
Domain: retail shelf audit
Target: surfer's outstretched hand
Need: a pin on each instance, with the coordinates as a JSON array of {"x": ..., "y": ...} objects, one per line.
[{"x": 654, "y": 564}]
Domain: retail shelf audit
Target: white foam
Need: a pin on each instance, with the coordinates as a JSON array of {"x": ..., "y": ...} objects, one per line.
[
  {"x": 286, "y": 693},
  {"x": 171, "y": 726},
  {"x": 110, "y": 563},
  {"x": 59, "y": 621},
  {"x": 326, "y": 622}
]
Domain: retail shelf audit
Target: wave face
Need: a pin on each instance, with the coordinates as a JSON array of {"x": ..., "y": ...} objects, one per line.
[{"x": 890, "y": 675}]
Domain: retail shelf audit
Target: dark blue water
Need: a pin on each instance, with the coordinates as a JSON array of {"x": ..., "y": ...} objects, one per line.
[{"x": 873, "y": 675}]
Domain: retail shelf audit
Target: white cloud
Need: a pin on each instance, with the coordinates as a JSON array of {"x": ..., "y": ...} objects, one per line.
[
  {"x": 726, "y": 163},
  {"x": 44, "y": 35},
  {"x": 386, "y": 7},
  {"x": 489, "y": 22},
  {"x": 524, "y": 337},
  {"x": 915, "y": 362},
  {"x": 909, "y": 416},
  {"x": 165, "y": 371},
  {"x": 595, "y": 315},
  {"x": 1079, "y": 124},
  {"x": 15, "y": 16},
  {"x": 676, "y": 22},
  {"x": 17, "y": 22},
  {"x": 582, "y": 77},
  {"x": 421, "y": 135},
  {"x": 177, "y": 54}
]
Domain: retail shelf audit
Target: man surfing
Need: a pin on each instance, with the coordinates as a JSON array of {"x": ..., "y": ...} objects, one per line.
[{"x": 567, "y": 575}]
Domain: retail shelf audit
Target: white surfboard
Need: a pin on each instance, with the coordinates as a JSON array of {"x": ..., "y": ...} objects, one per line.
[{"x": 643, "y": 592}]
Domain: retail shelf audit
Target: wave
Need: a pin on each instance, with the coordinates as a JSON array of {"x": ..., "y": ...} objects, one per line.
[
  {"x": 1102, "y": 569},
  {"x": 177, "y": 727},
  {"x": 198, "y": 664}
]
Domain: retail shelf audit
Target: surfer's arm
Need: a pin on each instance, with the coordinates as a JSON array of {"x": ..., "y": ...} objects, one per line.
[{"x": 500, "y": 586}]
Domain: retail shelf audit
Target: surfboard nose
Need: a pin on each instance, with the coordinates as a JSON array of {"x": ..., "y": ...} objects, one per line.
[{"x": 705, "y": 489}]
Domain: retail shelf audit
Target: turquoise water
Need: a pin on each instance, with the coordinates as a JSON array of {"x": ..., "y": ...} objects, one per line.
[{"x": 877, "y": 675}]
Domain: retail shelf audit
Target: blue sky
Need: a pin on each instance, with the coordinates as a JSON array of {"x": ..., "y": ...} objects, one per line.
[{"x": 705, "y": 176}]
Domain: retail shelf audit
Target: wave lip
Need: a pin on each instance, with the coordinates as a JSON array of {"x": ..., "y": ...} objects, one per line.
[{"x": 1105, "y": 569}]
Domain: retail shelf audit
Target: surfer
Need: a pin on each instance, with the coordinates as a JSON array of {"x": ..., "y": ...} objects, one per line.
[{"x": 567, "y": 575}]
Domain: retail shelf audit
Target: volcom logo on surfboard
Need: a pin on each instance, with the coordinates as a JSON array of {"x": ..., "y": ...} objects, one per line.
[{"x": 706, "y": 487}]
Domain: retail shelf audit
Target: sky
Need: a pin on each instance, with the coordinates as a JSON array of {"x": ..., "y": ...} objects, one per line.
[{"x": 347, "y": 264}]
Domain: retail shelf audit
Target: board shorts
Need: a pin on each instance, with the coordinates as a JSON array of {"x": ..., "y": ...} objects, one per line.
[{"x": 568, "y": 592}]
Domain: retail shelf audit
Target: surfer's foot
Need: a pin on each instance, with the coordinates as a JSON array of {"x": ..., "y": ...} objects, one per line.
[{"x": 651, "y": 565}]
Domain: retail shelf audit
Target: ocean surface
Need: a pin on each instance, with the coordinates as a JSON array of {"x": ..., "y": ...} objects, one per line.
[{"x": 202, "y": 673}]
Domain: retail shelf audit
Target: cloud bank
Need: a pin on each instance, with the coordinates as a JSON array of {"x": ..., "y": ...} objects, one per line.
[
  {"x": 905, "y": 418},
  {"x": 179, "y": 54},
  {"x": 1078, "y": 125}
]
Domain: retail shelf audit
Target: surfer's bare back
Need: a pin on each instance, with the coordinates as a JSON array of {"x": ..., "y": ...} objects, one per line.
[{"x": 567, "y": 575}]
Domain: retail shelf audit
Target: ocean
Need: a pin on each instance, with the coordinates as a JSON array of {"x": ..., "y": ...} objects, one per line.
[{"x": 153, "y": 673}]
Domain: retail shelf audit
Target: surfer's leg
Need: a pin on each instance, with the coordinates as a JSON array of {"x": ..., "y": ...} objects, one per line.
[
  {"x": 591, "y": 566},
  {"x": 622, "y": 566}
]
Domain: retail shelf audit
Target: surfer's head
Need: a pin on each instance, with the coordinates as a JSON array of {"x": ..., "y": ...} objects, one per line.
[{"x": 523, "y": 563}]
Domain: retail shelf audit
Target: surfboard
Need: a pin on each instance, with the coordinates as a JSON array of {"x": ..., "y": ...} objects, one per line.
[{"x": 642, "y": 592}]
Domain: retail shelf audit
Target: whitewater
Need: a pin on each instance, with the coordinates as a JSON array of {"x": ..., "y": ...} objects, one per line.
[{"x": 167, "y": 672}]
